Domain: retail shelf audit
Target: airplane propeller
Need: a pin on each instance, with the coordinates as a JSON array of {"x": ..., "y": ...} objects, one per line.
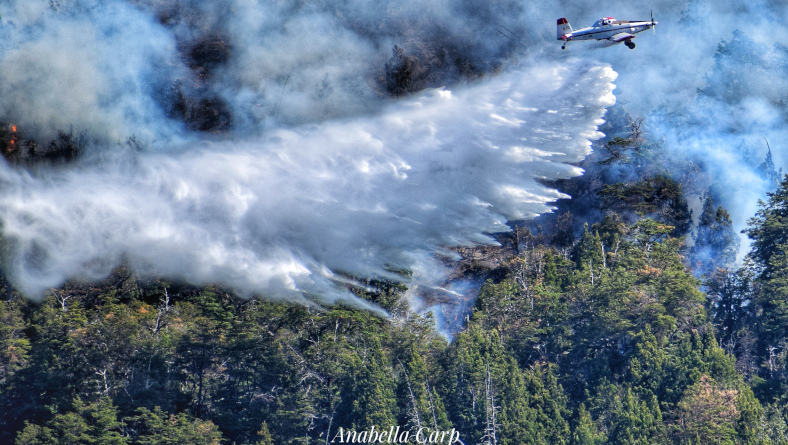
[{"x": 653, "y": 23}]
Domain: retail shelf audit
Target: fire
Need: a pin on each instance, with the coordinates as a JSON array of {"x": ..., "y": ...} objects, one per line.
[{"x": 12, "y": 140}]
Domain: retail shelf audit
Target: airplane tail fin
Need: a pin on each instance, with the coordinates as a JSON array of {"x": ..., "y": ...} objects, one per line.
[{"x": 564, "y": 29}]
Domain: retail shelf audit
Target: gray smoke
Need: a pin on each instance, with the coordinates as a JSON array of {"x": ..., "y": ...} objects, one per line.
[
  {"x": 281, "y": 214},
  {"x": 320, "y": 174},
  {"x": 711, "y": 84},
  {"x": 92, "y": 68}
]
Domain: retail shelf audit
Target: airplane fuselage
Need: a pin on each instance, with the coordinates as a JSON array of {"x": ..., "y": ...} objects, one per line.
[
  {"x": 607, "y": 28},
  {"x": 606, "y": 32}
]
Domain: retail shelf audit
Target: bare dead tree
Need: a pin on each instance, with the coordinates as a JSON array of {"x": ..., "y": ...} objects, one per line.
[
  {"x": 414, "y": 413},
  {"x": 490, "y": 436}
]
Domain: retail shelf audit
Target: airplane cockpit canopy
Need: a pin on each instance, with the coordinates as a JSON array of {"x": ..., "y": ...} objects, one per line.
[{"x": 604, "y": 21}]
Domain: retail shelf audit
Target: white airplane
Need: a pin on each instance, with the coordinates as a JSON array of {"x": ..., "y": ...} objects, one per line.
[{"x": 607, "y": 28}]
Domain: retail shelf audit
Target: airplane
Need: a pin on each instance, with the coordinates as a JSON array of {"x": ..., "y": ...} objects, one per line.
[{"x": 606, "y": 28}]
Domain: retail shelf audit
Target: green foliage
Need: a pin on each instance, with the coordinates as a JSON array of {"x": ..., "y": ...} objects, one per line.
[
  {"x": 768, "y": 230},
  {"x": 264, "y": 436},
  {"x": 655, "y": 195},
  {"x": 707, "y": 414},
  {"x": 155, "y": 427},
  {"x": 635, "y": 421},
  {"x": 488, "y": 394},
  {"x": 618, "y": 148},
  {"x": 769, "y": 308},
  {"x": 586, "y": 431},
  {"x": 730, "y": 294},
  {"x": 772, "y": 427},
  {"x": 589, "y": 250},
  {"x": 14, "y": 345},
  {"x": 93, "y": 424},
  {"x": 647, "y": 363},
  {"x": 424, "y": 407},
  {"x": 372, "y": 394},
  {"x": 606, "y": 340},
  {"x": 716, "y": 242}
]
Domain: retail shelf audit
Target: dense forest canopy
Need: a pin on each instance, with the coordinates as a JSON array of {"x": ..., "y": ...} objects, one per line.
[
  {"x": 635, "y": 313},
  {"x": 608, "y": 340},
  {"x": 597, "y": 336}
]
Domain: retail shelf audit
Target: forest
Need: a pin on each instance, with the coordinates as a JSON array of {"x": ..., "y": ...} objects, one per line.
[
  {"x": 597, "y": 324},
  {"x": 626, "y": 316}
]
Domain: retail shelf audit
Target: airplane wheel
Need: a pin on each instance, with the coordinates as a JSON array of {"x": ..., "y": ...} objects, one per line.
[
  {"x": 631, "y": 45},
  {"x": 563, "y": 47}
]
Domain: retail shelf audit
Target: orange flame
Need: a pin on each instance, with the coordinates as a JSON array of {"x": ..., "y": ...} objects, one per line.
[{"x": 12, "y": 139}]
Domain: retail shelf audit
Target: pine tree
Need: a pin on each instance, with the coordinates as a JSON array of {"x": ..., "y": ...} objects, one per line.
[
  {"x": 91, "y": 424},
  {"x": 709, "y": 412},
  {"x": 585, "y": 431},
  {"x": 372, "y": 396},
  {"x": 155, "y": 427},
  {"x": 589, "y": 252},
  {"x": 637, "y": 422},
  {"x": 769, "y": 254},
  {"x": 716, "y": 243},
  {"x": 264, "y": 436},
  {"x": 769, "y": 230},
  {"x": 730, "y": 294}
]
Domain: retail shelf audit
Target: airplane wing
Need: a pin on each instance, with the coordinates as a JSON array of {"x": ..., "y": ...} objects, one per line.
[{"x": 621, "y": 37}]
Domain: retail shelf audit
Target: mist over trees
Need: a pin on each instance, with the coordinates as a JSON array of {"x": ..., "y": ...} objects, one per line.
[
  {"x": 625, "y": 317},
  {"x": 600, "y": 335}
]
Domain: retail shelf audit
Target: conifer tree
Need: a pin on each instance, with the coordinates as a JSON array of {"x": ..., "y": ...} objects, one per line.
[
  {"x": 637, "y": 422},
  {"x": 708, "y": 411},
  {"x": 89, "y": 424},
  {"x": 716, "y": 243},
  {"x": 589, "y": 252},
  {"x": 585, "y": 431},
  {"x": 767, "y": 169},
  {"x": 372, "y": 397},
  {"x": 264, "y": 436},
  {"x": 769, "y": 253},
  {"x": 155, "y": 427},
  {"x": 422, "y": 406},
  {"x": 769, "y": 230},
  {"x": 730, "y": 294}
]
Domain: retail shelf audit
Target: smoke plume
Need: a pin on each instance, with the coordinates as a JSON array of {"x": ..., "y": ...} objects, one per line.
[
  {"x": 284, "y": 211},
  {"x": 275, "y": 160},
  {"x": 711, "y": 85}
]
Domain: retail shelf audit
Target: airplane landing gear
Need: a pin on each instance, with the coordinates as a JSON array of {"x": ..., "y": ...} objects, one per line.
[
  {"x": 630, "y": 44},
  {"x": 563, "y": 47}
]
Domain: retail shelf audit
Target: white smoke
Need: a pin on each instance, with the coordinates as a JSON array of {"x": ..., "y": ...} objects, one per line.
[
  {"x": 91, "y": 68},
  {"x": 357, "y": 184},
  {"x": 281, "y": 214},
  {"x": 711, "y": 83}
]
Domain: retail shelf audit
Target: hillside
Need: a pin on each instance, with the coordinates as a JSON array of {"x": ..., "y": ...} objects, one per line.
[{"x": 239, "y": 222}]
